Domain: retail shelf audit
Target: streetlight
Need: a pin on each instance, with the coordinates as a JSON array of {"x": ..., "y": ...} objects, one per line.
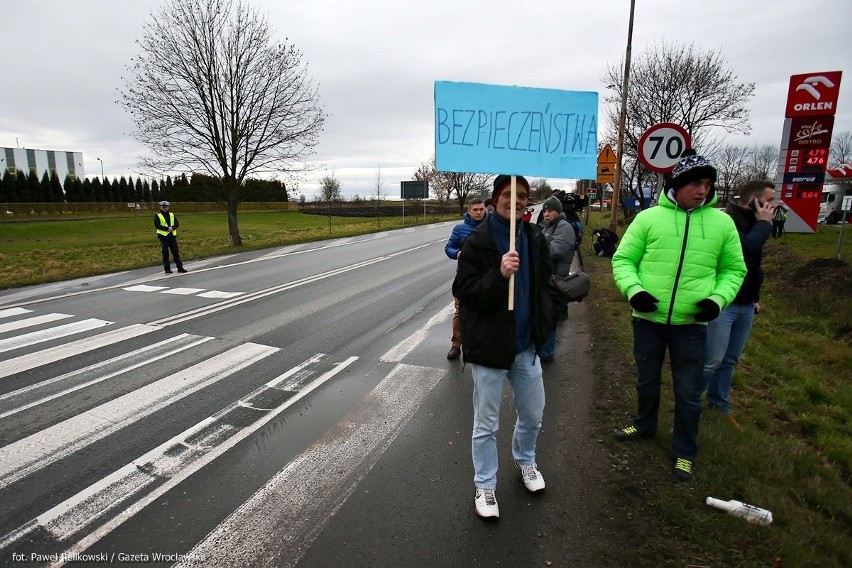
[{"x": 102, "y": 168}]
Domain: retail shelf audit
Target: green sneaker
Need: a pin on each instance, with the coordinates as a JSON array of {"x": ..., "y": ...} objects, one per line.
[
  {"x": 631, "y": 433},
  {"x": 683, "y": 470}
]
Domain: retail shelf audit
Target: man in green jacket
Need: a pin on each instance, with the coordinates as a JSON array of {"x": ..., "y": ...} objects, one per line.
[{"x": 679, "y": 264}]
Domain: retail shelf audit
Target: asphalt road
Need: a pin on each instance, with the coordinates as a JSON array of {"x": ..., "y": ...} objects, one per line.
[{"x": 275, "y": 408}]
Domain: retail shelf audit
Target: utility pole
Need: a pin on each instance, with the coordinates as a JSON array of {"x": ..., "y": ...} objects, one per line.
[{"x": 616, "y": 190}]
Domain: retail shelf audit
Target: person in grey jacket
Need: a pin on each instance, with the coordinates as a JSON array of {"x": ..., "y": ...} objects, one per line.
[
  {"x": 560, "y": 236},
  {"x": 562, "y": 243}
]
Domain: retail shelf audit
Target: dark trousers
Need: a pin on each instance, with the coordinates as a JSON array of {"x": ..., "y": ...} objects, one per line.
[
  {"x": 777, "y": 228},
  {"x": 169, "y": 243},
  {"x": 687, "y": 345}
]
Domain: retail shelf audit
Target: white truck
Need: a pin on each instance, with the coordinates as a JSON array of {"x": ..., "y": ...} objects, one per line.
[{"x": 838, "y": 184}]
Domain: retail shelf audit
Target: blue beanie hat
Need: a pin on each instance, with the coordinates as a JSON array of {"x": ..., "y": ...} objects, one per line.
[{"x": 690, "y": 168}]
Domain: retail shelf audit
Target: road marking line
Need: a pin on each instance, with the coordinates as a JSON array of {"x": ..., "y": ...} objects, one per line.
[
  {"x": 145, "y": 288},
  {"x": 9, "y": 312},
  {"x": 47, "y": 356},
  {"x": 404, "y": 347},
  {"x": 183, "y": 291},
  {"x": 28, "y": 455},
  {"x": 281, "y": 520},
  {"x": 33, "y": 321},
  {"x": 80, "y": 511},
  {"x": 218, "y": 294},
  {"x": 27, "y": 339},
  {"x": 111, "y": 368}
]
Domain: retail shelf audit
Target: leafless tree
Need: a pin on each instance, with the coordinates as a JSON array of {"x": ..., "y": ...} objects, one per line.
[
  {"x": 841, "y": 149},
  {"x": 681, "y": 84},
  {"x": 761, "y": 162},
  {"x": 540, "y": 189},
  {"x": 426, "y": 172},
  {"x": 330, "y": 188},
  {"x": 213, "y": 92},
  {"x": 330, "y": 194},
  {"x": 445, "y": 185},
  {"x": 465, "y": 184},
  {"x": 730, "y": 162},
  {"x": 379, "y": 194}
]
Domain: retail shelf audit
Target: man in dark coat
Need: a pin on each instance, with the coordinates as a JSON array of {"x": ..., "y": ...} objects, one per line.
[
  {"x": 500, "y": 343},
  {"x": 727, "y": 334}
]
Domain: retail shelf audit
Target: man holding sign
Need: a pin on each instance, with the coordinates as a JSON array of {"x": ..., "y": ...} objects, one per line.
[{"x": 500, "y": 342}]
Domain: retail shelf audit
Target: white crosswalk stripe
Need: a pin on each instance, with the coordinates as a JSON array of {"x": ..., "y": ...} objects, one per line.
[
  {"x": 199, "y": 292},
  {"x": 57, "y": 332},
  {"x": 9, "y": 312},
  {"x": 138, "y": 483},
  {"x": 25, "y": 456},
  {"x": 31, "y": 322},
  {"x": 45, "y": 357},
  {"x": 283, "y": 511},
  {"x": 183, "y": 291},
  {"x": 354, "y": 445},
  {"x": 45, "y": 391}
]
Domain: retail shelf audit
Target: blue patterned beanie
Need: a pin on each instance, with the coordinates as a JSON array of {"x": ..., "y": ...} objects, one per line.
[{"x": 690, "y": 168}]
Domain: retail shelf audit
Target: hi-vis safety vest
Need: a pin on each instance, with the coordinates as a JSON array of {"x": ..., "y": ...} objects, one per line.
[{"x": 163, "y": 222}]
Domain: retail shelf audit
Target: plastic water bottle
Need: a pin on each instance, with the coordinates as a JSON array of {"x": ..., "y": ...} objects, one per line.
[{"x": 750, "y": 513}]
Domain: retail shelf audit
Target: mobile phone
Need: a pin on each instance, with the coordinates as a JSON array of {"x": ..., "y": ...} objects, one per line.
[{"x": 754, "y": 207}]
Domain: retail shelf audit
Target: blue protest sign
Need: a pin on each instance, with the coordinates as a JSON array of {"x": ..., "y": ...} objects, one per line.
[{"x": 515, "y": 130}]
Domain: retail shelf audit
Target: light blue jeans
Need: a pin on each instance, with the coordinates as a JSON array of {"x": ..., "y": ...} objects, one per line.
[
  {"x": 726, "y": 339},
  {"x": 528, "y": 393}
]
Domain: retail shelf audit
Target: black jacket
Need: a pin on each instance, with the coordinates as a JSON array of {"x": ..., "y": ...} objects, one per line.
[
  {"x": 487, "y": 325},
  {"x": 753, "y": 235}
]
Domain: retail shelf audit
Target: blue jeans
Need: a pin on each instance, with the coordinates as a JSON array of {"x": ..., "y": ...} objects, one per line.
[
  {"x": 528, "y": 393},
  {"x": 548, "y": 350},
  {"x": 687, "y": 346},
  {"x": 726, "y": 339}
]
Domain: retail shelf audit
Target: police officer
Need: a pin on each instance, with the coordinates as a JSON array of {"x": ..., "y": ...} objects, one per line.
[{"x": 166, "y": 224}]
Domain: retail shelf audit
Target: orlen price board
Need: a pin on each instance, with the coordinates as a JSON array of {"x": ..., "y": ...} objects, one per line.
[{"x": 805, "y": 140}]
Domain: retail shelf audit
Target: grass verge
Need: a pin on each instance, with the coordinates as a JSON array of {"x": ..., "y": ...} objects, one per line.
[
  {"x": 792, "y": 394},
  {"x": 49, "y": 251}
]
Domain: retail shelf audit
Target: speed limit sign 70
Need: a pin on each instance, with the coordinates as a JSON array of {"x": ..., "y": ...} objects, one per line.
[{"x": 661, "y": 145}]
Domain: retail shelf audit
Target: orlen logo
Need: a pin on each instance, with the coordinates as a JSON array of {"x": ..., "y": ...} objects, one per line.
[{"x": 813, "y": 94}]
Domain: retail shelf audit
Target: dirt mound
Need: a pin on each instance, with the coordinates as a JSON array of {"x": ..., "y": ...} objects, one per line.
[{"x": 822, "y": 273}]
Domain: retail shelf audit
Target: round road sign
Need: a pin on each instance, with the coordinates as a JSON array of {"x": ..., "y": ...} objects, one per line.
[{"x": 661, "y": 145}]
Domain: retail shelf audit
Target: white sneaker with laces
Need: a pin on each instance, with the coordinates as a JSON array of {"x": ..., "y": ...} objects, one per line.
[
  {"x": 486, "y": 503},
  {"x": 532, "y": 477}
]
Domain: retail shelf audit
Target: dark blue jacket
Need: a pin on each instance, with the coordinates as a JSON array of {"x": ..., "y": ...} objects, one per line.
[
  {"x": 753, "y": 235},
  {"x": 459, "y": 234}
]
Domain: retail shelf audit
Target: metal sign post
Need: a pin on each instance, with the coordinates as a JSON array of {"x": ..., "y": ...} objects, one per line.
[{"x": 847, "y": 205}]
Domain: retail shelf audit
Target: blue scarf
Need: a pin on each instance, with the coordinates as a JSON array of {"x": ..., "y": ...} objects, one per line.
[{"x": 523, "y": 297}]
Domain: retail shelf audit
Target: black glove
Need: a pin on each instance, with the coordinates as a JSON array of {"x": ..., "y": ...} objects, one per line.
[
  {"x": 708, "y": 310},
  {"x": 643, "y": 302}
]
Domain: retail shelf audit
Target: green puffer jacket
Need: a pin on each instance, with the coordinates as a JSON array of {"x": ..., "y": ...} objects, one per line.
[{"x": 680, "y": 257}]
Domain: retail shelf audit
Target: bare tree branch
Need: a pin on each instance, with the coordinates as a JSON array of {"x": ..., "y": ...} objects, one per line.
[{"x": 681, "y": 84}]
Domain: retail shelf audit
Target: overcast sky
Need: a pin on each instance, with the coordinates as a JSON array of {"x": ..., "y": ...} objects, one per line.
[{"x": 376, "y": 62}]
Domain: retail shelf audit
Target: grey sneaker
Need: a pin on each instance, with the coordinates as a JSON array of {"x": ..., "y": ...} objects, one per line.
[
  {"x": 532, "y": 477},
  {"x": 486, "y": 503}
]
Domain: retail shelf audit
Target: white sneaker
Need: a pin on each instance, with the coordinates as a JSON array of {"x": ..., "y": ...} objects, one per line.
[
  {"x": 532, "y": 477},
  {"x": 486, "y": 503}
]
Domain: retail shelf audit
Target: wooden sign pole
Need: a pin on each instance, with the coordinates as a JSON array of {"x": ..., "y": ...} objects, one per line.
[{"x": 512, "y": 223}]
